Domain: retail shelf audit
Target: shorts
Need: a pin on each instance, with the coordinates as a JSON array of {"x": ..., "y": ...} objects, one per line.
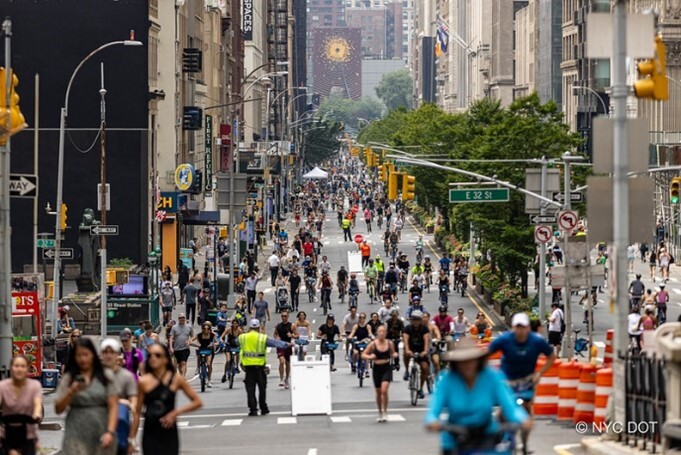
[
  {"x": 167, "y": 309},
  {"x": 381, "y": 374},
  {"x": 554, "y": 338},
  {"x": 181, "y": 356},
  {"x": 285, "y": 353}
]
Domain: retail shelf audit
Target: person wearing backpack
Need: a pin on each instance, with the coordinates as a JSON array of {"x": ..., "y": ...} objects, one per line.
[
  {"x": 134, "y": 358},
  {"x": 556, "y": 327}
]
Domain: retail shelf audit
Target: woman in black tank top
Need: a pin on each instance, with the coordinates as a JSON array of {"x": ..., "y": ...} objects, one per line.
[{"x": 380, "y": 351}]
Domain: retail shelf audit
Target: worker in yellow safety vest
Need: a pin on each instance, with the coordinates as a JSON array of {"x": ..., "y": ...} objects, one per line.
[{"x": 253, "y": 346}]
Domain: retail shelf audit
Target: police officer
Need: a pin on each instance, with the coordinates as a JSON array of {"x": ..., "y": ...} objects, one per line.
[
  {"x": 253, "y": 357},
  {"x": 346, "y": 224}
]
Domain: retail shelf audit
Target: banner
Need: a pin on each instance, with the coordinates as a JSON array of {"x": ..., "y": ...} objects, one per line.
[{"x": 247, "y": 20}]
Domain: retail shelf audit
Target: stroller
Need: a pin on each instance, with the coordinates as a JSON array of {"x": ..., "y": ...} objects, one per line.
[{"x": 282, "y": 299}]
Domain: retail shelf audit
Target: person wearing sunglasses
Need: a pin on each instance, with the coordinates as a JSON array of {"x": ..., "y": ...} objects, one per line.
[
  {"x": 205, "y": 341},
  {"x": 461, "y": 324}
]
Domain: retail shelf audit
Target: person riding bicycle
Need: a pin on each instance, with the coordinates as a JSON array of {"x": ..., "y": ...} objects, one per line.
[
  {"x": 415, "y": 305},
  {"x": 427, "y": 268},
  {"x": 403, "y": 262},
  {"x": 416, "y": 270},
  {"x": 520, "y": 349},
  {"x": 361, "y": 332},
  {"x": 661, "y": 301},
  {"x": 394, "y": 239},
  {"x": 435, "y": 338},
  {"x": 342, "y": 280},
  {"x": 325, "y": 265},
  {"x": 328, "y": 333},
  {"x": 443, "y": 280},
  {"x": 386, "y": 240},
  {"x": 468, "y": 391},
  {"x": 370, "y": 275},
  {"x": 416, "y": 339},
  {"x": 391, "y": 279},
  {"x": 636, "y": 290},
  {"x": 395, "y": 327},
  {"x": 415, "y": 291},
  {"x": 380, "y": 268},
  {"x": 463, "y": 275},
  {"x": 418, "y": 245},
  {"x": 445, "y": 263},
  {"x": 326, "y": 285},
  {"x": 444, "y": 322},
  {"x": 461, "y": 324}
]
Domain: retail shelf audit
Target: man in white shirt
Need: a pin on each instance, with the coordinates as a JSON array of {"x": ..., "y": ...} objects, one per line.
[
  {"x": 325, "y": 265},
  {"x": 292, "y": 253},
  {"x": 273, "y": 262},
  {"x": 556, "y": 327}
]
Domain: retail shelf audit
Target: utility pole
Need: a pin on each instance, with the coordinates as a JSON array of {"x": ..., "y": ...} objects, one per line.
[
  {"x": 620, "y": 198},
  {"x": 6, "y": 250},
  {"x": 102, "y": 238},
  {"x": 542, "y": 246},
  {"x": 568, "y": 343},
  {"x": 36, "y": 142}
]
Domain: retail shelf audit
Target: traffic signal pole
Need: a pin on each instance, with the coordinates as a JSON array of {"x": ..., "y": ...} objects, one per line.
[{"x": 6, "y": 247}]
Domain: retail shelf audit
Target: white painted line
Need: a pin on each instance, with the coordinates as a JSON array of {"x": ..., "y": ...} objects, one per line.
[
  {"x": 599, "y": 344},
  {"x": 676, "y": 280},
  {"x": 287, "y": 421},
  {"x": 396, "y": 418},
  {"x": 182, "y": 424},
  {"x": 678, "y": 291},
  {"x": 199, "y": 426},
  {"x": 343, "y": 419},
  {"x": 312, "y": 452},
  {"x": 282, "y": 413},
  {"x": 232, "y": 422}
]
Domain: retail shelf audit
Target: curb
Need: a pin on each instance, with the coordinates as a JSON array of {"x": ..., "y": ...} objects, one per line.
[
  {"x": 499, "y": 323},
  {"x": 598, "y": 446}
]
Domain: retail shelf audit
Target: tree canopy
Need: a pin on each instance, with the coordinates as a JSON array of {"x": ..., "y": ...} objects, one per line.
[
  {"x": 321, "y": 142},
  {"x": 350, "y": 111},
  {"x": 396, "y": 90}
]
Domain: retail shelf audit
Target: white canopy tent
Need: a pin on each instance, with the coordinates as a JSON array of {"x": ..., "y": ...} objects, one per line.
[{"x": 316, "y": 174}]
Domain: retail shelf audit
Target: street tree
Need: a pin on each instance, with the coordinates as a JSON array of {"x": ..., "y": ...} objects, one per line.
[
  {"x": 349, "y": 111},
  {"x": 396, "y": 89},
  {"x": 321, "y": 142}
]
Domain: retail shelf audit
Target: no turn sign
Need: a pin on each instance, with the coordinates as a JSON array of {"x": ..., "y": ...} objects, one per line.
[
  {"x": 567, "y": 220},
  {"x": 542, "y": 234}
]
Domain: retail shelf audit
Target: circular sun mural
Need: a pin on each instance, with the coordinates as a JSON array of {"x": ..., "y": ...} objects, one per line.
[{"x": 337, "y": 49}]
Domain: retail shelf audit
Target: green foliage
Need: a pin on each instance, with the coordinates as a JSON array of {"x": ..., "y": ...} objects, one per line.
[
  {"x": 396, "y": 90},
  {"x": 321, "y": 142},
  {"x": 350, "y": 111},
  {"x": 120, "y": 263}
]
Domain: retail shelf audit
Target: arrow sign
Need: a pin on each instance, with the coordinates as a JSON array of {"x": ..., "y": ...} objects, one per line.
[
  {"x": 567, "y": 220},
  {"x": 104, "y": 229},
  {"x": 64, "y": 253},
  {"x": 543, "y": 219},
  {"x": 574, "y": 197},
  {"x": 23, "y": 185},
  {"x": 542, "y": 234}
]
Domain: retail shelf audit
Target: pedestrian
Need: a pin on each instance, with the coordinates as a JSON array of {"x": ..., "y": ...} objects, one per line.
[
  {"x": 182, "y": 276},
  {"x": 20, "y": 396},
  {"x": 367, "y": 218},
  {"x": 180, "y": 336},
  {"x": 652, "y": 263},
  {"x": 556, "y": 324},
  {"x": 251, "y": 283},
  {"x": 284, "y": 332},
  {"x": 664, "y": 258},
  {"x": 380, "y": 352},
  {"x": 643, "y": 250},
  {"x": 126, "y": 384},
  {"x": 167, "y": 301},
  {"x": 189, "y": 296},
  {"x": 274, "y": 262},
  {"x": 70, "y": 346},
  {"x": 346, "y": 224},
  {"x": 88, "y": 393},
  {"x": 261, "y": 311},
  {"x": 365, "y": 250},
  {"x": 146, "y": 339},
  {"x": 133, "y": 357},
  {"x": 631, "y": 257},
  {"x": 157, "y": 391},
  {"x": 253, "y": 358},
  {"x": 205, "y": 304}
]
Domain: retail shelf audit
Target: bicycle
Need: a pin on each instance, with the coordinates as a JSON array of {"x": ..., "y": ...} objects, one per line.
[
  {"x": 342, "y": 292},
  {"x": 393, "y": 251},
  {"x": 419, "y": 254},
  {"x": 379, "y": 222},
  {"x": 414, "y": 378},
  {"x": 444, "y": 297},
  {"x": 464, "y": 284},
  {"x": 360, "y": 366},
  {"x": 386, "y": 247},
  {"x": 403, "y": 281},
  {"x": 371, "y": 288},
  {"x": 326, "y": 300},
  {"x": 309, "y": 283},
  {"x": 204, "y": 354},
  {"x": 301, "y": 351},
  {"x": 476, "y": 441},
  {"x": 232, "y": 367},
  {"x": 353, "y": 298},
  {"x": 581, "y": 344},
  {"x": 428, "y": 278}
]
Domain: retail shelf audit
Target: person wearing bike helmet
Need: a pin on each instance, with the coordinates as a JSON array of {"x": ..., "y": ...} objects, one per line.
[
  {"x": 468, "y": 391},
  {"x": 391, "y": 279},
  {"x": 416, "y": 341},
  {"x": 354, "y": 284},
  {"x": 444, "y": 322},
  {"x": 329, "y": 333},
  {"x": 415, "y": 305},
  {"x": 415, "y": 291}
]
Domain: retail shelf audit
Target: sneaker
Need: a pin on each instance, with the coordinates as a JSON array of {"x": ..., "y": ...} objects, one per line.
[
  {"x": 406, "y": 376},
  {"x": 286, "y": 384},
  {"x": 379, "y": 419},
  {"x": 264, "y": 412},
  {"x": 354, "y": 370},
  {"x": 253, "y": 413},
  {"x": 421, "y": 394},
  {"x": 281, "y": 383},
  {"x": 224, "y": 378},
  {"x": 366, "y": 374},
  {"x": 333, "y": 369},
  {"x": 210, "y": 386}
]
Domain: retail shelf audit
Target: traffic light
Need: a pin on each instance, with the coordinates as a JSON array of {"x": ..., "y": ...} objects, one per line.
[
  {"x": 654, "y": 82},
  {"x": 675, "y": 190},
  {"x": 380, "y": 173},
  {"x": 392, "y": 185},
  {"x": 16, "y": 118},
  {"x": 64, "y": 209},
  {"x": 408, "y": 187}
]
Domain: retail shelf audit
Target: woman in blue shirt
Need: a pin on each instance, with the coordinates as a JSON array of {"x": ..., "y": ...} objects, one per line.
[{"x": 468, "y": 391}]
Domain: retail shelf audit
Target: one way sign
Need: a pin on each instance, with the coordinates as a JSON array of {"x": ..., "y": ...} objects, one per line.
[
  {"x": 23, "y": 185},
  {"x": 64, "y": 253}
]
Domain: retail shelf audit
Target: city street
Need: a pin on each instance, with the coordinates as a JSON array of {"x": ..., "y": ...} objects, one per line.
[{"x": 352, "y": 427}]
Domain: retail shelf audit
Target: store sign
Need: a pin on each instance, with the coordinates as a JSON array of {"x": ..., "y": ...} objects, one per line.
[
  {"x": 247, "y": 20},
  {"x": 208, "y": 162},
  {"x": 185, "y": 176}
]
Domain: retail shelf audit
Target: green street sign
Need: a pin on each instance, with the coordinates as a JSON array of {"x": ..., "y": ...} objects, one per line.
[
  {"x": 45, "y": 243},
  {"x": 478, "y": 195}
]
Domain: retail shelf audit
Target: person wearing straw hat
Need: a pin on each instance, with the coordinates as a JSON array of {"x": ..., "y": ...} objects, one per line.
[{"x": 469, "y": 390}]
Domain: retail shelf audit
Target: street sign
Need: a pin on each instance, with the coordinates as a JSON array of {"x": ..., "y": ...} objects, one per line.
[
  {"x": 64, "y": 253},
  {"x": 575, "y": 196},
  {"x": 542, "y": 234},
  {"x": 567, "y": 220},
  {"x": 543, "y": 219},
  {"x": 359, "y": 239},
  {"x": 478, "y": 195},
  {"x": 23, "y": 185},
  {"x": 101, "y": 229},
  {"x": 45, "y": 243}
]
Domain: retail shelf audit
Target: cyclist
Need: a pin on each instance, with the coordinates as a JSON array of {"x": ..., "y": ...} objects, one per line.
[
  {"x": 469, "y": 391},
  {"x": 661, "y": 301},
  {"x": 419, "y": 248},
  {"x": 435, "y": 336},
  {"x": 386, "y": 310},
  {"x": 395, "y": 328},
  {"x": 342, "y": 281},
  {"x": 284, "y": 332},
  {"x": 325, "y": 265},
  {"x": 205, "y": 340},
  {"x": 353, "y": 286},
  {"x": 361, "y": 331},
  {"x": 394, "y": 240},
  {"x": 445, "y": 263},
  {"x": 375, "y": 322},
  {"x": 443, "y": 282},
  {"x": 302, "y": 329},
  {"x": 386, "y": 241},
  {"x": 326, "y": 285},
  {"x": 231, "y": 339},
  {"x": 348, "y": 323},
  {"x": 416, "y": 339},
  {"x": 461, "y": 324},
  {"x": 428, "y": 271},
  {"x": 370, "y": 275},
  {"x": 379, "y": 352},
  {"x": 391, "y": 279},
  {"x": 398, "y": 227},
  {"x": 380, "y": 268},
  {"x": 636, "y": 290},
  {"x": 417, "y": 270},
  {"x": 328, "y": 333},
  {"x": 444, "y": 322},
  {"x": 415, "y": 291},
  {"x": 520, "y": 349}
]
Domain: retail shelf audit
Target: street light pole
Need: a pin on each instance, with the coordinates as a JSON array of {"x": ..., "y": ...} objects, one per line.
[
  {"x": 542, "y": 246},
  {"x": 60, "y": 176},
  {"x": 104, "y": 207}
]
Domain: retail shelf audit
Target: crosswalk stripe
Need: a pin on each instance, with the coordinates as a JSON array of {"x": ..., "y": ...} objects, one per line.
[
  {"x": 599, "y": 344},
  {"x": 676, "y": 280},
  {"x": 343, "y": 419},
  {"x": 231, "y": 422},
  {"x": 396, "y": 418},
  {"x": 678, "y": 291},
  {"x": 286, "y": 420},
  {"x": 182, "y": 424}
]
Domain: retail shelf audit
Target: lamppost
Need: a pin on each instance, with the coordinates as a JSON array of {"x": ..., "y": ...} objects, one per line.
[
  {"x": 60, "y": 178},
  {"x": 154, "y": 263}
]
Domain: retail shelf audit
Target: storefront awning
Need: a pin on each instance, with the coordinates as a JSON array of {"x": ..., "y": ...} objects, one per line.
[{"x": 204, "y": 218}]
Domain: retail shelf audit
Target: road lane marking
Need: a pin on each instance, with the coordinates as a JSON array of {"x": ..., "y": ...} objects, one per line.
[
  {"x": 564, "y": 449},
  {"x": 678, "y": 291},
  {"x": 182, "y": 424},
  {"x": 342, "y": 419},
  {"x": 312, "y": 451},
  {"x": 231, "y": 422},
  {"x": 396, "y": 418},
  {"x": 286, "y": 420},
  {"x": 599, "y": 344}
]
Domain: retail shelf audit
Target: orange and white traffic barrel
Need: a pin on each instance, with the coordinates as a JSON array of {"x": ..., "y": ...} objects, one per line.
[
  {"x": 546, "y": 393},
  {"x": 609, "y": 350},
  {"x": 568, "y": 380},
  {"x": 493, "y": 359},
  {"x": 586, "y": 394},
  {"x": 604, "y": 389}
]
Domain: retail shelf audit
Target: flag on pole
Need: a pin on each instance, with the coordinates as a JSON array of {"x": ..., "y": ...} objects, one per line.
[{"x": 442, "y": 34}]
